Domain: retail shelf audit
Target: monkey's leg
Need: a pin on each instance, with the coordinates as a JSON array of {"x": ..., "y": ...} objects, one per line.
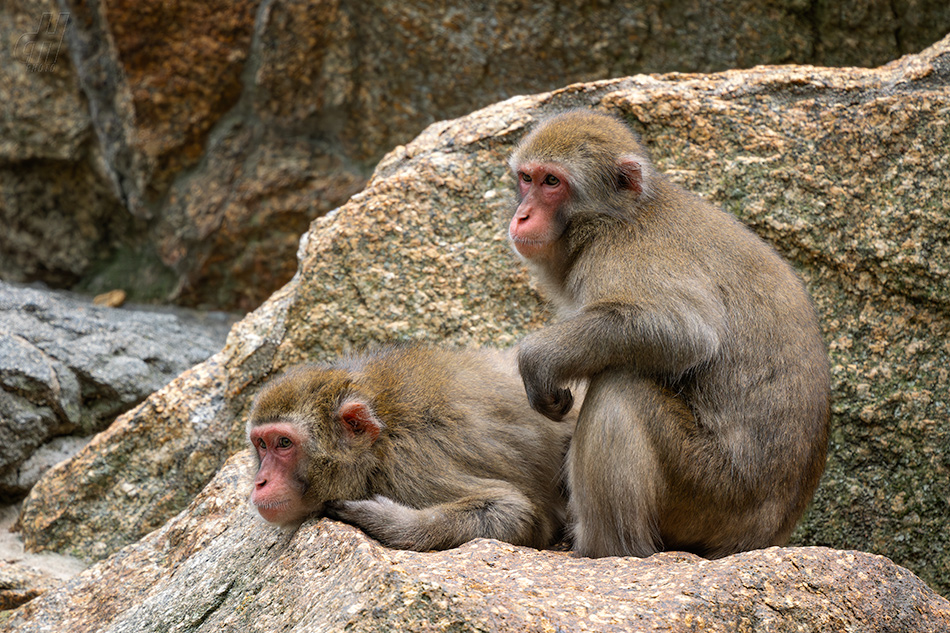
[
  {"x": 644, "y": 476},
  {"x": 614, "y": 473},
  {"x": 492, "y": 509}
]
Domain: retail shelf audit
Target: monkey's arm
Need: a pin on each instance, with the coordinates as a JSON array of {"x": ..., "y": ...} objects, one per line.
[
  {"x": 664, "y": 338},
  {"x": 498, "y": 510}
]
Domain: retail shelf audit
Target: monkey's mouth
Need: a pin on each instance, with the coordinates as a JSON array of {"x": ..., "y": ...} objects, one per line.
[
  {"x": 527, "y": 247},
  {"x": 523, "y": 241},
  {"x": 275, "y": 511},
  {"x": 271, "y": 505}
]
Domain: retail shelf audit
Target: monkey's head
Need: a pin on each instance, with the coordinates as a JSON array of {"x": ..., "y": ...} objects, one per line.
[
  {"x": 313, "y": 434},
  {"x": 576, "y": 162}
]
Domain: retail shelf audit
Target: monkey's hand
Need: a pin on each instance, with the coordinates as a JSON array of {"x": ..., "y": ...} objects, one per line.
[{"x": 544, "y": 394}]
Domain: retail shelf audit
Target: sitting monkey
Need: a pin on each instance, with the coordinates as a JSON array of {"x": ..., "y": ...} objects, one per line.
[{"x": 705, "y": 423}]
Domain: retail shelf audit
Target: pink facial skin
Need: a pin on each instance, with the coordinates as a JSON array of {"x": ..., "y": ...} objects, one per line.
[
  {"x": 543, "y": 189},
  {"x": 279, "y": 486}
]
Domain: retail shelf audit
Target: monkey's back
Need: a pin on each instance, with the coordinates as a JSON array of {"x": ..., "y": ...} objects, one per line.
[
  {"x": 769, "y": 388},
  {"x": 765, "y": 393},
  {"x": 458, "y": 416}
]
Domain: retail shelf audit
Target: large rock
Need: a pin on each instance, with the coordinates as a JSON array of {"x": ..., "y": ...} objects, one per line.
[
  {"x": 216, "y": 131},
  {"x": 38, "y": 79},
  {"x": 69, "y": 367},
  {"x": 216, "y": 567},
  {"x": 153, "y": 103},
  {"x": 844, "y": 170},
  {"x": 23, "y": 575},
  {"x": 58, "y": 213}
]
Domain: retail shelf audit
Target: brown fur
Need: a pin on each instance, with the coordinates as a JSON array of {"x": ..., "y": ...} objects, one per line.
[
  {"x": 705, "y": 423},
  {"x": 459, "y": 454}
]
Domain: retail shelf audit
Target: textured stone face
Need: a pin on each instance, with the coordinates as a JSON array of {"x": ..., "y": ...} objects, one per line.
[
  {"x": 56, "y": 212},
  {"x": 841, "y": 169},
  {"x": 217, "y": 567},
  {"x": 43, "y": 114},
  {"x": 154, "y": 102},
  {"x": 179, "y": 149},
  {"x": 67, "y": 367}
]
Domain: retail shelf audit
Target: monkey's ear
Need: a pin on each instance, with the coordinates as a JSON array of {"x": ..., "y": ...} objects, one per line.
[
  {"x": 631, "y": 173},
  {"x": 357, "y": 419}
]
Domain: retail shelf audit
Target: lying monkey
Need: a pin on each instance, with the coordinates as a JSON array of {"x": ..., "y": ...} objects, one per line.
[{"x": 422, "y": 448}]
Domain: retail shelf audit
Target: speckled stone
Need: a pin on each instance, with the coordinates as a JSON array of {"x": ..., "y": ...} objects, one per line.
[
  {"x": 216, "y": 567},
  {"x": 19, "y": 585},
  {"x": 842, "y": 169},
  {"x": 42, "y": 115},
  {"x": 57, "y": 211},
  {"x": 231, "y": 233},
  {"x": 153, "y": 102},
  {"x": 233, "y": 124}
]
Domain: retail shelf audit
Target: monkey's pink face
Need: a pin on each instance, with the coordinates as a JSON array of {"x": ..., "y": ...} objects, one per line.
[
  {"x": 281, "y": 479},
  {"x": 543, "y": 189}
]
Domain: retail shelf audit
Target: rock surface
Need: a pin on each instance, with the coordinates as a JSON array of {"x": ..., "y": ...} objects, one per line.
[
  {"x": 68, "y": 367},
  {"x": 24, "y": 576},
  {"x": 842, "y": 169},
  {"x": 39, "y": 80},
  {"x": 58, "y": 213},
  {"x": 216, "y": 567},
  {"x": 19, "y": 478},
  {"x": 213, "y": 132}
]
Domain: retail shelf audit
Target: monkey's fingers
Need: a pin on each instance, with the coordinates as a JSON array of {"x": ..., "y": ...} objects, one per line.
[
  {"x": 389, "y": 522},
  {"x": 370, "y": 515},
  {"x": 554, "y": 405},
  {"x": 564, "y": 401}
]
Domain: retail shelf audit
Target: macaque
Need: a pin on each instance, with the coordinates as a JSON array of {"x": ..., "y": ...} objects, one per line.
[
  {"x": 705, "y": 423},
  {"x": 422, "y": 448}
]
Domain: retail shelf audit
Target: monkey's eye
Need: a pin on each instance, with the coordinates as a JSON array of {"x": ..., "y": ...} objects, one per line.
[
  {"x": 551, "y": 180},
  {"x": 262, "y": 444},
  {"x": 284, "y": 442},
  {"x": 525, "y": 177}
]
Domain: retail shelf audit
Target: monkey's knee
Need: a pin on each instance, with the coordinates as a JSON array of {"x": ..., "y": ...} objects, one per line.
[{"x": 620, "y": 410}]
